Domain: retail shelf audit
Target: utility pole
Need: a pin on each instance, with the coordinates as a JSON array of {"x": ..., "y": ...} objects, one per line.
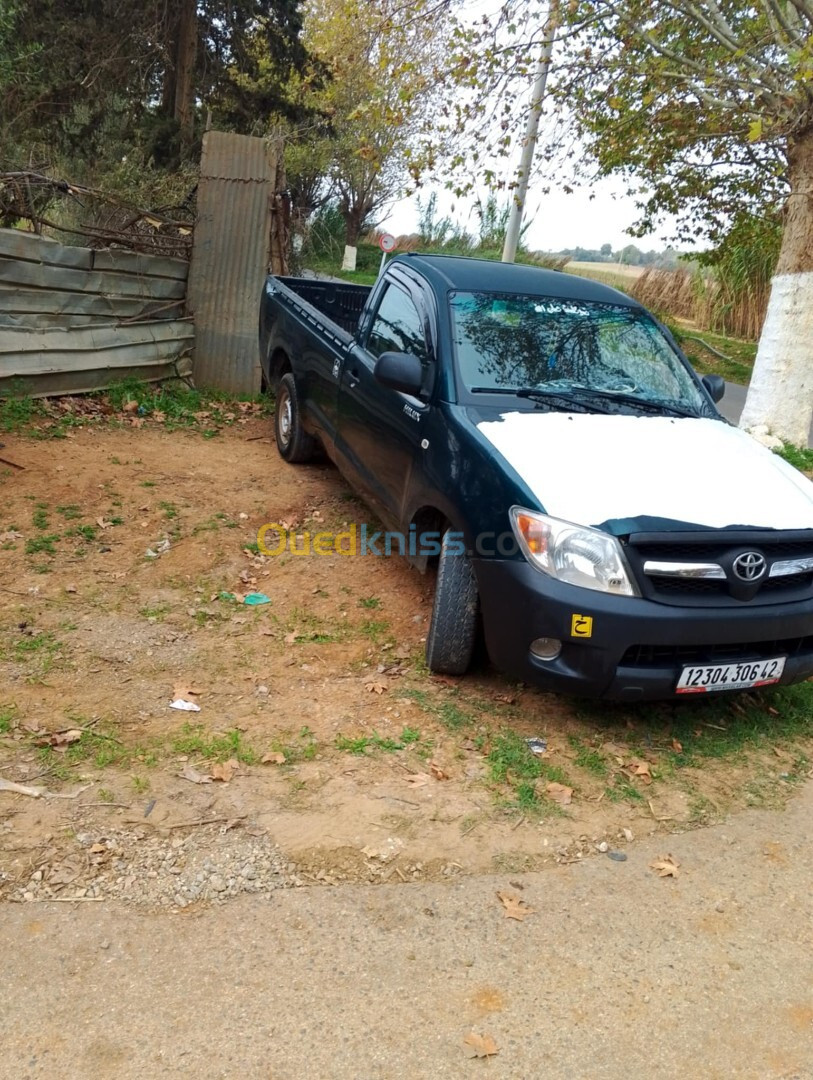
[{"x": 509, "y": 251}]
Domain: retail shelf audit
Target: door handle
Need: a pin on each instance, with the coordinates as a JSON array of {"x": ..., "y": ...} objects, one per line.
[{"x": 353, "y": 379}]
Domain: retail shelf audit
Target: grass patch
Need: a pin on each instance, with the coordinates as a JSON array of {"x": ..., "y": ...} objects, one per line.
[
  {"x": 740, "y": 355},
  {"x": 369, "y": 602},
  {"x": 42, "y": 545},
  {"x": 70, "y": 512},
  {"x": 194, "y": 740},
  {"x": 8, "y": 714},
  {"x": 364, "y": 743},
  {"x": 511, "y": 763},
  {"x": 300, "y": 747},
  {"x": 797, "y": 456},
  {"x": 588, "y": 758}
]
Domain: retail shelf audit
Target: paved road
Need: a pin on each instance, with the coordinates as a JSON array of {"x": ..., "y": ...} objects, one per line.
[
  {"x": 618, "y": 975},
  {"x": 734, "y": 402}
]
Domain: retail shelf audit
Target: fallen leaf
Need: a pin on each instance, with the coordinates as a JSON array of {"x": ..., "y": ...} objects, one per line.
[
  {"x": 677, "y": 746},
  {"x": 70, "y": 588},
  {"x": 505, "y": 699},
  {"x": 59, "y": 739},
  {"x": 482, "y": 1045},
  {"x": 559, "y": 793},
  {"x": 666, "y": 866},
  {"x": 193, "y": 776},
  {"x": 9, "y": 535},
  {"x": 418, "y": 779},
  {"x": 225, "y": 770},
  {"x": 376, "y": 686},
  {"x": 437, "y": 772},
  {"x": 290, "y": 639},
  {"x": 273, "y": 759},
  {"x": 130, "y": 406},
  {"x": 642, "y": 769},
  {"x": 97, "y": 849},
  {"x": 514, "y": 906},
  {"x": 104, "y": 524}
]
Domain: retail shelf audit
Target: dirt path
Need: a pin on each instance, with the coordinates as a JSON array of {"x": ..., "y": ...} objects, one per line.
[{"x": 618, "y": 973}]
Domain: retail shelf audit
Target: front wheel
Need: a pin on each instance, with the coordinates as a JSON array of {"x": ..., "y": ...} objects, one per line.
[
  {"x": 293, "y": 442},
  {"x": 453, "y": 630}
]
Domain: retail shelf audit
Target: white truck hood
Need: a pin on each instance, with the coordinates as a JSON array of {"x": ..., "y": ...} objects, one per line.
[{"x": 592, "y": 469}]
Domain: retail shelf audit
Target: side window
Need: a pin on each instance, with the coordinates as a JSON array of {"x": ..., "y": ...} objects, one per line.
[{"x": 397, "y": 327}]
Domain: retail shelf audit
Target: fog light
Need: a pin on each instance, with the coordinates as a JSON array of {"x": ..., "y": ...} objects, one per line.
[{"x": 546, "y": 648}]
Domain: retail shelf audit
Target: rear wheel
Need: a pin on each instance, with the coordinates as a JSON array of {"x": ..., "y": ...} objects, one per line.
[
  {"x": 293, "y": 442},
  {"x": 453, "y": 630}
]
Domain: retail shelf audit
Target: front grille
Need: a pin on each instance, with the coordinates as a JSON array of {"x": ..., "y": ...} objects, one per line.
[
  {"x": 720, "y": 547},
  {"x": 664, "y": 655}
]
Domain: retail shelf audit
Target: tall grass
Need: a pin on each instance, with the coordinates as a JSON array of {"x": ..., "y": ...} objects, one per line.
[{"x": 728, "y": 292}]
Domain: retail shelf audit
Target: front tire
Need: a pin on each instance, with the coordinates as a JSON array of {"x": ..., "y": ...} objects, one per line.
[
  {"x": 293, "y": 442},
  {"x": 453, "y": 630}
]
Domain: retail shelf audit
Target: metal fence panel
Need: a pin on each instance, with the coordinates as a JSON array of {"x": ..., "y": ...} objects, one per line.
[{"x": 230, "y": 257}]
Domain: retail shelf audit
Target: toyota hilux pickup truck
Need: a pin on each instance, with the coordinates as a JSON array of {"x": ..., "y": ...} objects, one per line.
[{"x": 541, "y": 440}]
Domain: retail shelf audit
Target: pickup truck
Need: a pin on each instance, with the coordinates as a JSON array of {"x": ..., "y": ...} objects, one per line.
[{"x": 541, "y": 439}]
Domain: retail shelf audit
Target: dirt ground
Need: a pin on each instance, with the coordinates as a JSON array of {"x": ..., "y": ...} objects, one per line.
[{"x": 323, "y": 751}]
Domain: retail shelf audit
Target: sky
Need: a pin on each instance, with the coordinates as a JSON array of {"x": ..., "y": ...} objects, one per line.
[{"x": 589, "y": 217}]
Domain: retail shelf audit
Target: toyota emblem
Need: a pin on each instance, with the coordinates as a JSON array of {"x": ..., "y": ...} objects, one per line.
[{"x": 750, "y": 566}]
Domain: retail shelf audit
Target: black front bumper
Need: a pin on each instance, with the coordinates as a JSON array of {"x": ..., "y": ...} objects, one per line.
[{"x": 635, "y": 649}]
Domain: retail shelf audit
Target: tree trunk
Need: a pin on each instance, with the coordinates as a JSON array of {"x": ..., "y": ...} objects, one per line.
[
  {"x": 185, "y": 55},
  {"x": 780, "y": 398}
]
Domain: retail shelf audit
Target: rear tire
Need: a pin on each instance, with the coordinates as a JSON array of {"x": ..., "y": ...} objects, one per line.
[
  {"x": 453, "y": 630},
  {"x": 293, "y": 442}
]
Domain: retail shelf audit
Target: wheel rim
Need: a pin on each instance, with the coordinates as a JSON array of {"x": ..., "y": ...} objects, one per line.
[{"x": 286, "y": 417}]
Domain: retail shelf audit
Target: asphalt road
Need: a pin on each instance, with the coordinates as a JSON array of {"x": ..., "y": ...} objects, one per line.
[
  {"x": 734, "y": 402},
  {"x": 618, "y": 974}
]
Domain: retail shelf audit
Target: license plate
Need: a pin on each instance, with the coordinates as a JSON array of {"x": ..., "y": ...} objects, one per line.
[{"x": 702, "y": 678}]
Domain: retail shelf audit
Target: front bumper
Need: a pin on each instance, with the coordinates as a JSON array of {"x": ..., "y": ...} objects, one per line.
[{"x": 634, "y": 649}]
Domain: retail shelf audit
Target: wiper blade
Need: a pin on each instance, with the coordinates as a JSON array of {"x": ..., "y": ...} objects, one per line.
[
  {"x": 541, "y": 398},
  {"x": 637, "y": 402}
]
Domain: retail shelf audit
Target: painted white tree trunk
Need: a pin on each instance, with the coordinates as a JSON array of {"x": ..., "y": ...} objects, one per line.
[
  {"x": 780, "y": 397},
  {"x": 349, "y": 260}
]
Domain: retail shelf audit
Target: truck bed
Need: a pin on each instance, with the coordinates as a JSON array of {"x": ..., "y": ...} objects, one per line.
[{"x": 340, "y": 302}]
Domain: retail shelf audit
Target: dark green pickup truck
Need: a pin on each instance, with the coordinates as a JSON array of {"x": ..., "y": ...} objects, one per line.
[{"x": 543, "y": 442}]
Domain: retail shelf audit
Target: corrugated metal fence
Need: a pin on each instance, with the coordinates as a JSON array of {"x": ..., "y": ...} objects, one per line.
[
  {"x": 231, "y": 254},
  {"x": 75, "y": 319}
]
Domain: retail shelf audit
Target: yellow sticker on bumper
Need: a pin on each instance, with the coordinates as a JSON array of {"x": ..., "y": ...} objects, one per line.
[{"x": 581, "y": 626}]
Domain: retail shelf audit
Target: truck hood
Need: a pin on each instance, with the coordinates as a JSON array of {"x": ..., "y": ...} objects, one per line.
[{"x": 620, "y": 472}]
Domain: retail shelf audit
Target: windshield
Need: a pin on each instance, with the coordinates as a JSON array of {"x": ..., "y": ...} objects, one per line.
[{"x": 506, "y": 342}]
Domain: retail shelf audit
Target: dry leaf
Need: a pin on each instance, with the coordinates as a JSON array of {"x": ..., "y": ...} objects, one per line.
[
  {"x": 290, "y": 639},
  {"x": 130, "y": 406},
  {"x": 665, "y": 866},
  {"x": 97, "y": 849},
  {"x": 376, "y": 686},
  {"x": 225, "y": 770},
  {"x": 642, "y": 769},
  {"x": 193, "y": 776},
  {"x": 559, "y": 793},
  {"x": 104, "y": 524},
  {"x": 9, "y": 535},
  {"x": 70, "y": 588},
  {"x": 418, "y": 779},
  {"x": 482, "y": 1045},
  {"x": 274, "y": 758},
  {"x": 58, "y": 740},
  {"x": 514, "y": 906},
  {"x": 437, "y": 772},
  {"x": 677, "y": 746},
  {"x": 505, "y": 699}
]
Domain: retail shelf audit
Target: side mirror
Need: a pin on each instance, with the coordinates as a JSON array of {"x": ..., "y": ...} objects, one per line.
[
  {"x": 715, "y": 385},
  {"x": 399, "y": 371}
]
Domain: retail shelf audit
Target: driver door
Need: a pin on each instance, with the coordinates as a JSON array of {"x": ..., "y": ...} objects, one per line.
[{"x": 380, "y": 430}]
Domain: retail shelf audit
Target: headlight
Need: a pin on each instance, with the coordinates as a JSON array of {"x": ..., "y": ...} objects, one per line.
[{"x": 573, "y": 553}]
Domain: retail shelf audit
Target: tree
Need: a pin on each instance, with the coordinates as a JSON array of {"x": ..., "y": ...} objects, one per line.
[
  {"x": 378, "y": 60},
  {"x": 710, "y": 102},
  {"x": 606, "y": 250},
  {"x": 96, "y": 79}
]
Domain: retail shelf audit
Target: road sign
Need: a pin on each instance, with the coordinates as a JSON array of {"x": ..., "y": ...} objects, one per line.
[{"x": 386, "y": 242}]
